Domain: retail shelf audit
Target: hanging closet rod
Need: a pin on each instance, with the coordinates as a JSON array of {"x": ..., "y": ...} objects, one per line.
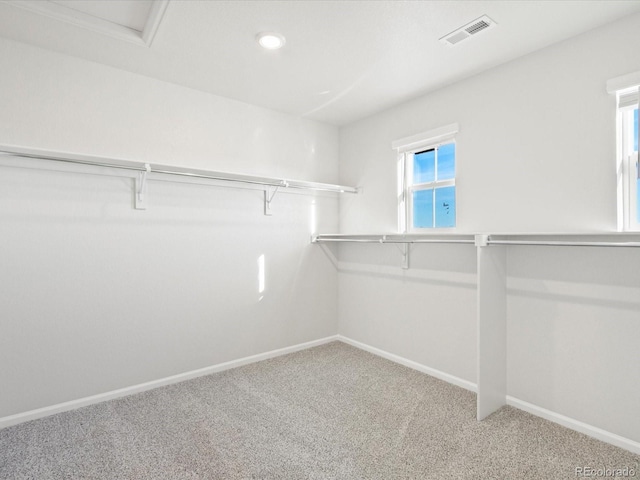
[
  {"x": 387, "y": 239},
  {"x": 563, "y": 243},
  {"x": 471, "y": 239},
  {"x": 322, "y": 240},
  {"x": 168, "y": 170}
]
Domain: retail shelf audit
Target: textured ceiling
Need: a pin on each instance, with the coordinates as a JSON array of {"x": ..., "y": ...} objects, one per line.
[{"x": 343, "y": 60}]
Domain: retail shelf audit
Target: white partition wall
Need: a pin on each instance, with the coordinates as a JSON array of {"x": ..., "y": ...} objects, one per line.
[{"x": 492, "y": 328}]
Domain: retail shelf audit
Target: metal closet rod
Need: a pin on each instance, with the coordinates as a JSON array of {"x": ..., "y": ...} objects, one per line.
[
  {"x": 399, "y": 238},
  {"x": 168, "y": 170},
  {"x": 563, "y": 243},
  {"x": 390, "y": 241},
  {"x": 384, "y": 239}
]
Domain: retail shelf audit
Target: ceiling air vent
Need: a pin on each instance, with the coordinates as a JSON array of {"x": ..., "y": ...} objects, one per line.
[{"x": 471, "y": 28}]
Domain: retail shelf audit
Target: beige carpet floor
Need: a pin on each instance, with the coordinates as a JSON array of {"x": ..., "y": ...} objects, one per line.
[{"x": 331, "y": 412}]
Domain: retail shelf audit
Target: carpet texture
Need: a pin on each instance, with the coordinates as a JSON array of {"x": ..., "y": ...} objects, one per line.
[{"x": 331, "y": 412}]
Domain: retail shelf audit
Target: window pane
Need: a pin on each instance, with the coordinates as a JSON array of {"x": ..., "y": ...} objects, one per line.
[
  {"x": 638, "y": 199},
  {"x": 446, "y": 207},
  {"x": 424, "y": 167},
  {"x": 447, "y": 161},
  {"x": 423, "y": 209}
]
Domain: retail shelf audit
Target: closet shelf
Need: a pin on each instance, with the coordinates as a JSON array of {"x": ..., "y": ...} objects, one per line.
[
  {"x": 587, "y": 239},
  {"x": 394, "y": 238},
  {"x": 143, "y": 170},
  {"x": 591, "y": 239}
]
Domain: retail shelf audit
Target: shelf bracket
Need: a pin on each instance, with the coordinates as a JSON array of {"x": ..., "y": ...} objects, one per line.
[
  {"x": 268, "y": 197},
  {"x": 141, "y": 188},
  {"x": 482, "y": 240},
  {"x": 404, "y": 250}
]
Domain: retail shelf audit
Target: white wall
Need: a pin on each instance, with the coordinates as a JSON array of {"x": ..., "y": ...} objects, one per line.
[
  {"x": 98, "y": 296},
  {"x": 535, "y": 148},
  {"x": 425, "y": 314},
  {"x": 535, "y": 154},
  {"x": 572, "y": 333}
]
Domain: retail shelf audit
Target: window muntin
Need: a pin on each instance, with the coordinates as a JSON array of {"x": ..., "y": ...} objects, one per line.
[{"x": 431, "y": 191}]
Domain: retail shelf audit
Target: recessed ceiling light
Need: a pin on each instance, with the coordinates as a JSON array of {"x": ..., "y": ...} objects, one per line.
[{"x": 270, "y": 40}]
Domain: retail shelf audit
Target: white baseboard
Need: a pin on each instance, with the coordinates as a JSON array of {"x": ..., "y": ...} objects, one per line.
[
  {"x": 576, "y": 425},
  {"x": 567, "y": 422},
  {"x": 123, "y": 392},
  {"x": 467, "y": 385}
]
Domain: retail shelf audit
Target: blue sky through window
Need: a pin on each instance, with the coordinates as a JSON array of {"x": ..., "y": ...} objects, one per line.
[
  {"x": 447, "y": 161},
  {"x": 424, "y": 166},
  {"x": 434, "y": 207},
  {"x": 446, "y": 207},
  {"x": 423, "y": 208}
]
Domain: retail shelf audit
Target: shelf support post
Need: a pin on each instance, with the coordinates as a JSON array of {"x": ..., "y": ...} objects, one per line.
[{"x": 492, "y": 327}]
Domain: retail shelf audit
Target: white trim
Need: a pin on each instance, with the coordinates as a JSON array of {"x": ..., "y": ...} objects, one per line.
[
  {"x": 142, "y": 387},
  {"x": 627, "y": 172},
  {"x": 426, "y": 138},
  {"x": 403, "y": 211},
  {"x": 450, "y": 182},
  {"x": 628, "y": 99},
  {"x": 623, "y": 82},
  {"x": 567, "y": 422},
  {"x": 158, "y": 9},
  {"x": 576, "y": 425},
  {"x": 633, "y": 225},
  {"x": 460, "y": 382},
  {"x": 95, "y": 24}
]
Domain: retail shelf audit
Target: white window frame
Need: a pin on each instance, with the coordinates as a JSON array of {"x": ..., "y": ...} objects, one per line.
[
  {"x": 629, "y": 161},
  {"x": 626, "y": 89},
  {"x": 406, "y": 148}
]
